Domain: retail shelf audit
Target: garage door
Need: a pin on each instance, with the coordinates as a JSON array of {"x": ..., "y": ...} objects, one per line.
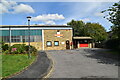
[{"x": 83, "y": 45}]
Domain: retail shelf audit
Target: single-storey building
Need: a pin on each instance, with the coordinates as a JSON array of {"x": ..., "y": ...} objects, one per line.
[
  {"x": 43, "y": 37},
  {"x": 83, "y": 42}
]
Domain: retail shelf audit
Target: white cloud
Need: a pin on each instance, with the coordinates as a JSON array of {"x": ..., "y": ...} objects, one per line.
[
  {"x": 64, "y": 24},
  {"x": 3, "y": 9},
  {"x": 85, "y": 20},
  {"x": 48, "y": 18},
  {"x": 8, "y": 4},
  {"x": 22, "y": 8},
  {"x": 5, "y": 6},
  {"x": 81, "y": 11},
  {"x": 13, "y": 7},
  {"x": 50, "y": 22},
  {"x": 98, "y": 14}
]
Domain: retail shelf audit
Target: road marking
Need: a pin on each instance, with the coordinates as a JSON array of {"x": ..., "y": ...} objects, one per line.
[{"x": 52, "y": 68}]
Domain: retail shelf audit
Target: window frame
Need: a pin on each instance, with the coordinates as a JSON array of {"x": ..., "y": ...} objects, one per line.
[
  {"x": 49, "y": 45},
  {"x": 56, "y": 41}
]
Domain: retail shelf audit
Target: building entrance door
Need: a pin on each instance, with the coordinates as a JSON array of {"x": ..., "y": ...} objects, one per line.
[{"x": 67, "y": 44}]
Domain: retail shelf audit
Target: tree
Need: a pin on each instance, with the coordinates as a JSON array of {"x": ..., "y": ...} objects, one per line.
[
  {"x": 114, "y": 17},
  {"x": 96, "y": 31},
  {"x": 78, "y": 27}
]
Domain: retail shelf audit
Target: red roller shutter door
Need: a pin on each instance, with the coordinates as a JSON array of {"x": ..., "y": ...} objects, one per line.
[{"x": 83, "y": 45}]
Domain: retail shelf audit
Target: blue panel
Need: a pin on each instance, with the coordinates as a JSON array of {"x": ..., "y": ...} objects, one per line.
[
  {"x": 5, "y": 32},
  {"x": 21, "y": 32}
]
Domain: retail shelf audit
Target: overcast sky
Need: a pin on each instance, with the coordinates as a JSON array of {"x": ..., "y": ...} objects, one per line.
[{"x": 54, "y": 12}]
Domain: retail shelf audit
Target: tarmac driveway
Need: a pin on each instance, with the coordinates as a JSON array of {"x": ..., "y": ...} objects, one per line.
[{"x": 77, "y": 64}]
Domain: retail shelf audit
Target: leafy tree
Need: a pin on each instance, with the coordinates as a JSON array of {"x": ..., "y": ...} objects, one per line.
[
  {"x": 78, "y": 27},
  {"x": 114, "y": 17},
  {"x": 96, "y": 31}
]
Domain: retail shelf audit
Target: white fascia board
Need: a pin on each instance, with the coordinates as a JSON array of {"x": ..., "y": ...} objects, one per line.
[{"x": 47, "y": 28}]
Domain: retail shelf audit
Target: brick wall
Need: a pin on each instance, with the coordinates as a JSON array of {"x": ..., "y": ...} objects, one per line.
[{"x": 49, "y": 35}]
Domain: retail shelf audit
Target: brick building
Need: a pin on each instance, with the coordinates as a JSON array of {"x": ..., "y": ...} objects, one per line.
[{"x": 43, "y": 37}]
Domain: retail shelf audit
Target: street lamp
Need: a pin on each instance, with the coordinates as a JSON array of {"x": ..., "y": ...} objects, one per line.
[
  {"x": 9, "y": 38},
  {"x": 29, "y": 56}
]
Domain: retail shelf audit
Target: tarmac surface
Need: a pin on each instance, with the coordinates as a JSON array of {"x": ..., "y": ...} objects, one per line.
[
  {"x": 82, "y": 64},
  {"x": 78, "y": 64},
  {"x": 37, "y": 70}
]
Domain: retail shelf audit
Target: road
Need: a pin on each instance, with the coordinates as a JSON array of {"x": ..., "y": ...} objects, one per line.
[{"x": 78, "y": 64}]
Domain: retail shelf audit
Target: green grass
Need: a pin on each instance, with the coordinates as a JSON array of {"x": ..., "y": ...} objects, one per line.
[
  {"x": 14, "y": 63},
  {"x": 115, "y": 52},
  {"x": 0, "y": 65}
]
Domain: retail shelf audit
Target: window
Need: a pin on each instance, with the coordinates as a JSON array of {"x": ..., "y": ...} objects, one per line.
[
  {"x": 21, "y": 35},
  {"x": 56, "y": 43},
  {"x": 49, "y": 43},
  {"x": 23, "y": 38},
  {"x": 37, "y": 38},
  {"x": 31, "y": 38},
  {"x": 15, "y": 38},
  {"x": 5, "y": 38}
]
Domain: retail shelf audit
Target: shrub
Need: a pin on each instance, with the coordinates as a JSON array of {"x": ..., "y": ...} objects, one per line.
[
  {"x": 5, "y": 47},
  {"x": 22, "y": 48},
  {"x": 17, "y": 48},
  {"x": 6, "y": 52},
  {"x": 98, "y": 45},
  {"x": 33, "y": 50},
  {"x": 112, "y": 44}
]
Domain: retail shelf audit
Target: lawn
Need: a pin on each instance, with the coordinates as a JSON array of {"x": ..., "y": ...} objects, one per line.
[
  {"x": 15, "y": 63},
  {"x": 0, "y": 65},
  {"x": 113, "y": 54},
  {"x": 116, "y": 52}
]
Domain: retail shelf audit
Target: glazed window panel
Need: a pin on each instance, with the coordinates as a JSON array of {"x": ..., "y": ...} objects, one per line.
[
  {"x": 23, "y": 38},
  {"x": 15, "y": 39},
  {"x": 38, "y": 38},
  {"x": 21, "y": 35},
  {"x": 31, "y": 38},
  {"x": 5, "y": 32},
  {"x": 5, "y": 38},
  {"x": 26, "y": 38},
  {"x": 56, "y": 43},
  {"x": 1, "y": 39},
  {"x": 48, "y": 43},
  {"x": 25, "y": 32}
]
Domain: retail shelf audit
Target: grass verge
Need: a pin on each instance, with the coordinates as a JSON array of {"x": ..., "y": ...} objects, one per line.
[
  {"x": 15, "y": 63},
  {"x": 0, "y": 65},
  {"x": 115, "y": 52}
]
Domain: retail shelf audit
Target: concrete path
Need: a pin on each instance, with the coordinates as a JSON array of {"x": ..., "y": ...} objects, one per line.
[{"x": 78, "y": 64}]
